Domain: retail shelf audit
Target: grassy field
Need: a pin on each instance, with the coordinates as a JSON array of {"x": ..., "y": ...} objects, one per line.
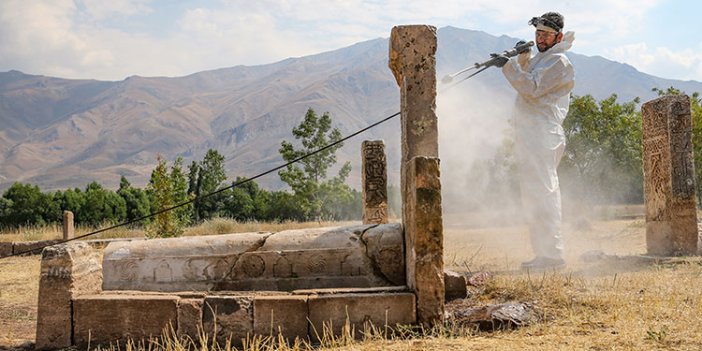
[
  {"x": 621, "y": 302},
  {"x": 209, "y": 227}
]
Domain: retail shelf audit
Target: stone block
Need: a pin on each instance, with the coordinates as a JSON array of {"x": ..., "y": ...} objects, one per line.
[
  {"x": 384, "y": 245},
  {"x": 6, "y": 249},
  {"x": 424, "y": 239},
  {"x": 358, "y": 312},
  {"x": 669, "y": 177},
  {"x": 190, "y": 318},
  {"x": 107, "y": 318},
  {"x": 374, "y": 181},
  {"x": 67, "y": 271},
  {"x": 456, "y": 285},
  {"x": 281, "y": 315},
  {"x": 68, "y": 228},
  {"x": 228, "y": 318}
]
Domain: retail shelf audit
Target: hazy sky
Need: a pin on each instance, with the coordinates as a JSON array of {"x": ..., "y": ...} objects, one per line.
[{"x": 114, "y": 39}]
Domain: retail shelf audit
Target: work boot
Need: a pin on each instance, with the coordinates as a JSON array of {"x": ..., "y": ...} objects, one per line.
[{"x": 541, "y": 262}]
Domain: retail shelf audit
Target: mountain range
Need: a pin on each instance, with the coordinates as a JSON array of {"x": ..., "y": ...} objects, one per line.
[{"x": 59, "y": 133}]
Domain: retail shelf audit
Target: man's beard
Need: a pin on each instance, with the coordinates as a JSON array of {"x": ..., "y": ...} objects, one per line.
[{"x": 544, "y": 46}]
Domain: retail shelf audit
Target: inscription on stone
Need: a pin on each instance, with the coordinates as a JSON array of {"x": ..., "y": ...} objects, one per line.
[
  {"x": 375, "y": 188},
  {"x": 669, "y": 183}
]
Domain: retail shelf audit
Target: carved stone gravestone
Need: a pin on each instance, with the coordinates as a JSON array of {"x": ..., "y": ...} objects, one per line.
[{"x": 669, "y": 177}]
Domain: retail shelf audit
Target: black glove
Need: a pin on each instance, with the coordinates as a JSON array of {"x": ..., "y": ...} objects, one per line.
[
  {"x": 498, "y": 60},
  {"x": 523, "y": 50}
]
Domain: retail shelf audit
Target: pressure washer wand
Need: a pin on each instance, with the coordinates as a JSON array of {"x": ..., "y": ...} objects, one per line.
[{"x": 491, "y": 62}]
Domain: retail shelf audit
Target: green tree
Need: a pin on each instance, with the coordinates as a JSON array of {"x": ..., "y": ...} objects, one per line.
[
  {"x": 603, "y": 155},
  {"x": 25, "y": 203},
  {"x": 209, "y": 175},
  {"x": 311, "y": 188},
  {"x": 284, "y": 206},
  {"x": 74, "y": 201},
  {"x": 162, "y": 196},
  {"x": 179, "y": 186},
  {"x": 135, "y": 199},
  {"x": 5, "y": 210},
  {"x": 102, "y": 206},
  {"x": 238, "y": 204}
]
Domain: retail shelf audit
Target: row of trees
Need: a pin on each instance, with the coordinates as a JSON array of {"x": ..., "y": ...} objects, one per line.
[{"x": 202, "y": 192}]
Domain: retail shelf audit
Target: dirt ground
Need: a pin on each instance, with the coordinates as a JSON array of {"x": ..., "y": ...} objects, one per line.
[{"x": 609, "y": 297}]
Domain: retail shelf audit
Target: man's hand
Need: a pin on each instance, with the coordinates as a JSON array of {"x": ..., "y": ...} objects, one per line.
[
  {"x": 524, "y": 49},
  {"x": 499, "y": 60}
]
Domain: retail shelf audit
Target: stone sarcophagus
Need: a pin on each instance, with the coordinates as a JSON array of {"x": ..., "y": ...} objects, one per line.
[{"x": 362, "y": 256}]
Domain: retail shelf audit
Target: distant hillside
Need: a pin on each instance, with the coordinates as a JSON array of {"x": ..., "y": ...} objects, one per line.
[{"x": 60, "y": 133}]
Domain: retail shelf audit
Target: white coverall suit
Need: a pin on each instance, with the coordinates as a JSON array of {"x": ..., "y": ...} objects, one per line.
[{"x": 543, "y": 84}]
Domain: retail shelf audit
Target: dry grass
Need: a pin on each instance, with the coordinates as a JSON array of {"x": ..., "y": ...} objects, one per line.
[
  {"x": 208, "y": 227},
  {"x": 621, "y": 303},
  {"x": 226, "y": 226},
  {"x": 19, "y": 285}
]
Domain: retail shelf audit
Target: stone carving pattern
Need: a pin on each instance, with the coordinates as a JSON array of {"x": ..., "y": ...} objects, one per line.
[
  {"x": 127, "y": 270},
  {"x": 163, "y": 273},
  {"x": 282, "y": 268},
  {"x": 253, "y": 266},
  {"x": 681, "y": 151},
  {"x": 375, "y": 195}
]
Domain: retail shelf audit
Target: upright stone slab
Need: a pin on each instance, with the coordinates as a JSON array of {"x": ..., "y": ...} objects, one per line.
[
  {"x": 375, "y": 182},
  {"x": 67, "y": 271},
  {"x": 413, "y": 63},
  {"x": 68, "y": 228},
  {"x": 669, "y": 177},
  {"x": 424, "y": 239}
]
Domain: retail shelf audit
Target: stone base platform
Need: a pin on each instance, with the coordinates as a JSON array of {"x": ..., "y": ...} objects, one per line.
[{"x": 114, "y": 316}]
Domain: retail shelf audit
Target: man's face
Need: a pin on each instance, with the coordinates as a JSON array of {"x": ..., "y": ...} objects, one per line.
[{"x": 546, "y": 40}]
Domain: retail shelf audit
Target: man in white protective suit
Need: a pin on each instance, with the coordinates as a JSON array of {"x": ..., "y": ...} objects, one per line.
[{"x": 543, "y": 83}]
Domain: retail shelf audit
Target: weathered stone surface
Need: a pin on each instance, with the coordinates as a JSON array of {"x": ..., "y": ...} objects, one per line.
[
  {"x": 496, "y": 317},
  {"x": 359, "y": 311},
  {"x": 281, "y": 315},
  {"x": 669, "y": 182},
  {"x": 424, "y": 239},
  {"x": 374, "y": 181},
  {"x": 189, "y": 263},
  {"x": 5, "y": 249},
  {"x": 332, "y": 291},
  {"x": 189, "y": 318},
  {"x": 479, "y": 279},
  {"x": 456, "y": 285},
  {"x": 413, "y": 62},
  {"x": 107, "y": 318},
  {"x": 67, "y": 271},
  {"x": 24, "y": 248},
  {"x": 284, "y": 261},
  {"x": 68, "y": 228},
  {"x": 384, "y": 245},
  {"x": 230, "y": 316}
]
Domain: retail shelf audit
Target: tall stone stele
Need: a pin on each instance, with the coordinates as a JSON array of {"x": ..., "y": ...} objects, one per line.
[
  {"x": 413, "y": 63},
  {"x": 669, "y": 177},
  {"x": 375, "y": 182}
]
